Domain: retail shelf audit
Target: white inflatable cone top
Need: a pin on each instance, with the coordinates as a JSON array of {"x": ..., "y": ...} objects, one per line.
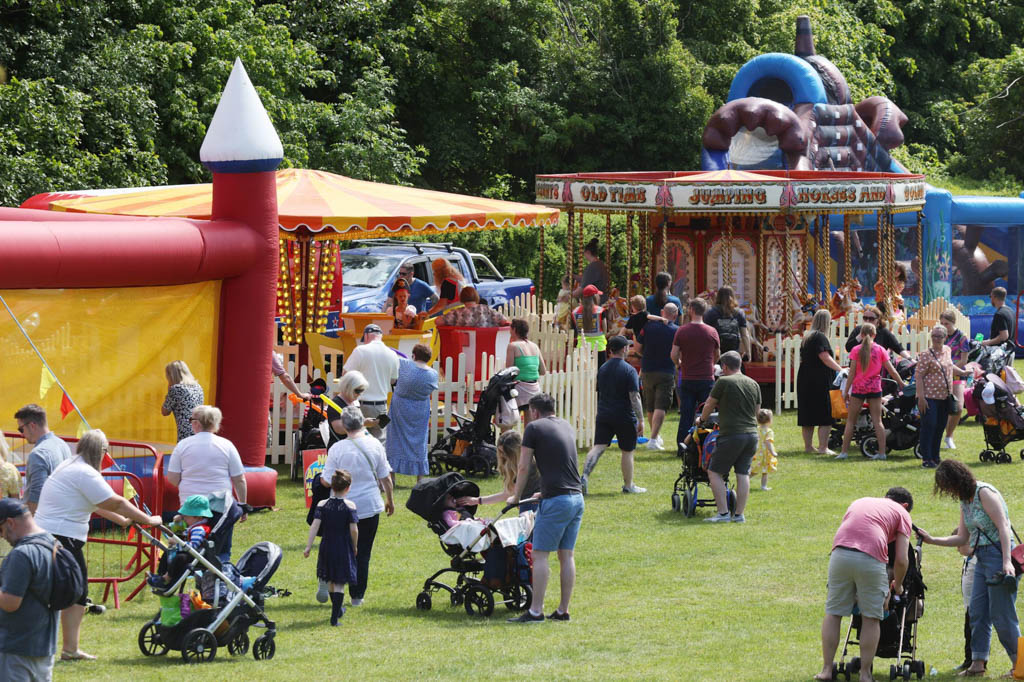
[{"x": 241, "y": 138}]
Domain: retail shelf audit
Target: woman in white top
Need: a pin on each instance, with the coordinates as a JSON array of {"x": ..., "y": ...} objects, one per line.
[
  {"x": 69, "y": 497},
  {"x": 208, "y": 464},
  {"x": 363, "y": 456}
]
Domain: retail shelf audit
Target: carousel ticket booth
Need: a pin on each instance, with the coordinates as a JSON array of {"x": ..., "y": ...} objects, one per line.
[{"x": 767, "y": 234}]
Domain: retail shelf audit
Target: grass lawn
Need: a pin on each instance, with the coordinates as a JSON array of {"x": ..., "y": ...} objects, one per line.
[{"x": 658, "y": 596}]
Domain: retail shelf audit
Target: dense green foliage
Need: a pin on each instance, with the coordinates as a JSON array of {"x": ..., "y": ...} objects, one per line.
[{"x": 475, "y": 96}]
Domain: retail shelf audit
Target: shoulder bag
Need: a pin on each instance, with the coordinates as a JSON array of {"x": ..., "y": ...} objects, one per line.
[{"x": 369, "y": 462}]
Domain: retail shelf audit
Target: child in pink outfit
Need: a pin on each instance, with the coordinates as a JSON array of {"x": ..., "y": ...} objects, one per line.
[{"x": 867, "y": 360}]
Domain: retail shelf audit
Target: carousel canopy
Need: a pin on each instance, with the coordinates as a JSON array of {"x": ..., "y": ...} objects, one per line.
[
  {"x": 323, "y": 205},
  {"x": 734, "y": 192}
]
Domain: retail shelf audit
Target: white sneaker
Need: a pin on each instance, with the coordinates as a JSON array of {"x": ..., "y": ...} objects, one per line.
[
  {"x": 880, "y": 456},
  {"x": 719, "y": 518},
  {"x": 634, "y": 489},
  {"x": 842, "y": 455},
  {"x": 948, "y": 444},
  {"x": 654, "y": 444},
  {"x": 357, "y": 602}
]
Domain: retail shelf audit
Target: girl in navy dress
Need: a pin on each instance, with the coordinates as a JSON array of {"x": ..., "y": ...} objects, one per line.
[{"x": 336, "y": 560}]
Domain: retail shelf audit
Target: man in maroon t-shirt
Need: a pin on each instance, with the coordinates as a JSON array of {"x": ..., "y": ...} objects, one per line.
[{"x": 695, "y": 351}]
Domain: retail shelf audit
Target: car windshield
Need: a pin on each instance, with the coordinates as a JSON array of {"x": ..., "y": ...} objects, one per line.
[{"x": 365, "y": 270}]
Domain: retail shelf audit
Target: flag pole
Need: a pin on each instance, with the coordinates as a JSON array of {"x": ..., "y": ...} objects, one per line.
[{"x": 45, "y": 363}]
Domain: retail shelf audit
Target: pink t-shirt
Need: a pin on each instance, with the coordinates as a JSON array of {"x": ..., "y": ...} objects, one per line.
[
  {"x": 870, "y": 524},
  {"x": 869, "y": 381}
]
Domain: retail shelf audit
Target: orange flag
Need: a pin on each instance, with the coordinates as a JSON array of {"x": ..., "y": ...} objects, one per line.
[{"x": 66, "y": 406}]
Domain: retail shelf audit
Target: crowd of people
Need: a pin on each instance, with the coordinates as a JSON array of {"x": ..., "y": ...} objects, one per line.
[{"x": 690, "y": 353}]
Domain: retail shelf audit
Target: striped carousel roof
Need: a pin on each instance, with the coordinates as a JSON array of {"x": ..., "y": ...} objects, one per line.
[{"x": 330, "y": 206}]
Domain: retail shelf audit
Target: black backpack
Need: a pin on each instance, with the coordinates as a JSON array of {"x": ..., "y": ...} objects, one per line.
[
  {"x": 728, "y": 333},
  {"x": 67, "y": 583}
]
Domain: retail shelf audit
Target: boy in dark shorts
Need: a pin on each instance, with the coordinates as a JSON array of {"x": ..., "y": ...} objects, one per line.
[{"x": 619, "y": 413}]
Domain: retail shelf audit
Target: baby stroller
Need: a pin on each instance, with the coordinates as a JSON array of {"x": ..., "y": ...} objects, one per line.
[
  {"x": 235, "y": 596},
  {"x": 696, "y": 451},
  {"x": 1002, "y": 418},
  {"x": 900, "y": 417},
  {"x": 499, "y": 571},
  {"x": 469, "y": 446},
  {"x": 898, "y": 630}
]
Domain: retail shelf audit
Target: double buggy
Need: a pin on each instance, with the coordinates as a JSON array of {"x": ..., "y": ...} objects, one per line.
[
  {"x": 486, "y": 571},
  {"x": 229, "y": 600},
  {"x": 469, "y": 446},
  {"x": 695, "y": 452}
]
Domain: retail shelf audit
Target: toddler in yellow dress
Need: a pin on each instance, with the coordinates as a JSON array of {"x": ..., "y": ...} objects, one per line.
[{"x": 766, "y": 458}]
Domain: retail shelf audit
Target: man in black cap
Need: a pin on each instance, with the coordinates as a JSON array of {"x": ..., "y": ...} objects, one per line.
[
  {"x": 28, "y": 629},
  {"x": 619, "y": 413}
]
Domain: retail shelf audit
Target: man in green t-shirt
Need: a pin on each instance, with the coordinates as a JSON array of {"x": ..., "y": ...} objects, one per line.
[{"x": 737, "y": 398}]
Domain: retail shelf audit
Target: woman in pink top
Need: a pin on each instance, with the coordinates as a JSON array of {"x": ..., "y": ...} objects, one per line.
[{"x": 864, "y": 384}]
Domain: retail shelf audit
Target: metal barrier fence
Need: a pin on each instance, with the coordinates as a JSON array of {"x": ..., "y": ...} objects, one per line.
[{"x": 115, "y": 556}]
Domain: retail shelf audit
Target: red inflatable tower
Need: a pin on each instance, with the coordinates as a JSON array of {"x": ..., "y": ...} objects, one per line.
[{"x": 242, "y": 150}]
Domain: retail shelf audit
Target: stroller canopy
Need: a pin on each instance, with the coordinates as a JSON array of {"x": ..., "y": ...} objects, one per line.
[{"x": 426, "y": 499}]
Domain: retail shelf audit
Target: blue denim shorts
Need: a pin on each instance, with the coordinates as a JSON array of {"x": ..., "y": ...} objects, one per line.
[{"x": 558, "y": 522}]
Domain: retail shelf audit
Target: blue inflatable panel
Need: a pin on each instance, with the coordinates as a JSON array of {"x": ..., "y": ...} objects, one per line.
[
  {"x": 796, "y": 73},
  {"x": 988, "y": 211},
  {"x": 713, "y": 159}
]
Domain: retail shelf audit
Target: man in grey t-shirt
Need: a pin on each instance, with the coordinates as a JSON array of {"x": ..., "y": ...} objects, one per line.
[
  {"x": 28, "y": 629},
  {"x": 552, "y": 443},
  {"x": 595, "y": 273},
  {"x": 49, "y": 451}
]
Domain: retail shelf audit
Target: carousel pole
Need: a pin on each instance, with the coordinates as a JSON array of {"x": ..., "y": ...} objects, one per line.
[
  {"x": 727, "y": 254},
  {"x": 663, "y": 254},
  {"x": 827, "y": 254},
  {"x": 608, "y": 245},
  {"x": 920, "y": 265},
  {"x": 540, "y": 277},
  {"x": 847, "y": 255},
  {"x": 629, "y": 255},
  {"x": 580, "y": 224},
  {"x": 569, "y": 266}
]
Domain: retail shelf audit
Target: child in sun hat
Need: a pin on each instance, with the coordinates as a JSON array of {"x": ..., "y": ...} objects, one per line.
[{"x": 195, "y": 514}]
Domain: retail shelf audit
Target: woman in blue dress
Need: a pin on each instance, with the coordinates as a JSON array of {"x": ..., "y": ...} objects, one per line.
[{"x": 410, "y": 415}]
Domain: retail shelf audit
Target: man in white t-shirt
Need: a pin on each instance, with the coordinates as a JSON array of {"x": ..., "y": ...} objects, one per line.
[{"x": 379, "y": 364}]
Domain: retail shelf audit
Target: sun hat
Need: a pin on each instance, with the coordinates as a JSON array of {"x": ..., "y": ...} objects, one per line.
[{"x": 196, "y": 505}]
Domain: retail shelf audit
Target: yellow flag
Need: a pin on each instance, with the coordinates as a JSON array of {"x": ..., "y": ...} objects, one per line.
[
  {"x": 129, "y": 490},
  {"x": 46, "y": 382},
  {"x": 81, "y": 429}
]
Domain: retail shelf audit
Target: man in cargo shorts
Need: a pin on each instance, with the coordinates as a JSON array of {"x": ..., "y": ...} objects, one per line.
[
  {"x": 857, "y": 572},
  {"x": 552, "y": 443}
]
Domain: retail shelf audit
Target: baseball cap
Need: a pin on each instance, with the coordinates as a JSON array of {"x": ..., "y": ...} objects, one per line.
[
  {"x": 591, "y": 290},
  {"x": 617, "y": 343},
  {"x": 372, "y": 329},
  {"x": 11, "y": 508}
]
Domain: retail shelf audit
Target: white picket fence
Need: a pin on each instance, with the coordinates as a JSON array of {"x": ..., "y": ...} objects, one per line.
[
  {"x": 573, "y": 386},
  {"x": 555, "y": 343}
]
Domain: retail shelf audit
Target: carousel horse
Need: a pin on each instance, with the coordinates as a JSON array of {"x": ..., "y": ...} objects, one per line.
[
  {"x": 617, "y": 312},
  {"x": 846, "y": 300},
  {"x": 804, "y": 307}
]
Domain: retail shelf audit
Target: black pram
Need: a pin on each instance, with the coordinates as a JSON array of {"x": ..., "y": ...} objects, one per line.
[
  {"x": 1002, "y": 418},
  {"x": 502, "y": 571},
  {"x": 898, "y": 630}
]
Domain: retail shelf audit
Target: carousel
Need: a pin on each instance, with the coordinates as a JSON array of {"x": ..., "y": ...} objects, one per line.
[{"x": 770, "y": 235}]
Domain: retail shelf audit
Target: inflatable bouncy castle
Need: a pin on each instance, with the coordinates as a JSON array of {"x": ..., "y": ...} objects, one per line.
[
  {"x": 796, "y": 112},
  {"x": 109, "y": 300}
]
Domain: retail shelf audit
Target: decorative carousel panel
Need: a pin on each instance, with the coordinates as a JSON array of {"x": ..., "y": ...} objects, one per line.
[
  {"x": 744, "y": 268},
  {"x": 774, "y": 285},
  {"x": 680, "y": 265}
]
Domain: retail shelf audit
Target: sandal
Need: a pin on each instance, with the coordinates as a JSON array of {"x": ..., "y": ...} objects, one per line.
[
  {"x": 76, "y": 656},
  {"x": 970, "y": 673}
]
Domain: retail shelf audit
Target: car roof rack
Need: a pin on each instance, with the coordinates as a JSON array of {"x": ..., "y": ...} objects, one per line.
[{"x": 419, "y": 246}]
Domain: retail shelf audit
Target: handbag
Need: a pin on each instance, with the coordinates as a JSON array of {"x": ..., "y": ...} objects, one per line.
[
  {"x": 839, "y": 409},
  {"x": 951, "y": 402},
  {"x": 1016, "y": 554}
]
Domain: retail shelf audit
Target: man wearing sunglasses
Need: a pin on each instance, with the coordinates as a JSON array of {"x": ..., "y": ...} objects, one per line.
[{"x": 49, "y": 451}]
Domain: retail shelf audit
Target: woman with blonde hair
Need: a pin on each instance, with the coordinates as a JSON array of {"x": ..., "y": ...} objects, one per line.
[
  {"x": 510, "y": 444},
  {"x": 184, "y": 394},
  {"x": 865, "y": 385},
  {"x": 958, "y": 345},
  {"x": 449, "y": 282},
  {"x": 814, "y": 379}
]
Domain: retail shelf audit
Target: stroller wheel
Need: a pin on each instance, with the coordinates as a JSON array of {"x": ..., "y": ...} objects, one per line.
[
  {"x": 239, "y": 644},
  {"x": 1005, "y": 458},
  {"x": 908, "y": 670},
  {"x": 854, "y": 667},
  {"x": 518, "y": 597},
  {"x": 688, "y": 506},
  {"x": 985, "y": 455},
  {"x": 149, "y": 640},
  {"x": 917, "y": 450},
  {"x": 730, "y": 499},
  {"x": 919, "y": 669},
  {"x": 479, "y": 600},
  {"x": 675, "y": 502},
  {"x": 894, "y": 672},
  {"x": 869, "y": 446},
  {"x": 835, "y": 670},
  {"x": 423, "y": 601},
  {"x": 1022, "y": 454},
  {"x": 200, "y": 646},
  {"x": 264, "y": 648}
]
